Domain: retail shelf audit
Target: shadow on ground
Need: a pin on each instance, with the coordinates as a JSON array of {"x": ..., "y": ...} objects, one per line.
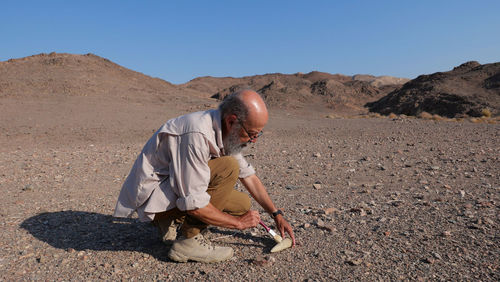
[{"x": 81, "y": 230}]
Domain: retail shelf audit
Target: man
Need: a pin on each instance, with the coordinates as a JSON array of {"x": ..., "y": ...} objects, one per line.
[{"x": 186, "y": 175}]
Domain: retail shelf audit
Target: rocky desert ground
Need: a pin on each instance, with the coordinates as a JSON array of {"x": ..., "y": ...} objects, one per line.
[{"x": 370, "y": 197}]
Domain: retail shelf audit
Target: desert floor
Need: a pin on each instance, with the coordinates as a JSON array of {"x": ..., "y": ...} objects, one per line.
[{"x": 398, "y": 198}]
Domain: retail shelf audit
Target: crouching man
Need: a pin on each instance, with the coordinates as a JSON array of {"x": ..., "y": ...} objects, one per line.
[{"x": 186, "y": 173}]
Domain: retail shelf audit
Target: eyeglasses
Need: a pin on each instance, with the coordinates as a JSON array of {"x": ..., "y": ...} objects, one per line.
[{"x": 252, "y": 137}]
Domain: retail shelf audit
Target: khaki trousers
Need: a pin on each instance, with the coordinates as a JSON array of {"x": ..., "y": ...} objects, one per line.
[{"x": 224, "y": 173}]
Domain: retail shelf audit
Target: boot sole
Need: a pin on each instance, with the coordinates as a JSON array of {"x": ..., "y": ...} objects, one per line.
[{"x": 175, "y": 256}]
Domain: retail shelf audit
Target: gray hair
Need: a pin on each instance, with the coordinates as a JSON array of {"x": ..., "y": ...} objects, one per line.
[{"x": 232, "y": 105}]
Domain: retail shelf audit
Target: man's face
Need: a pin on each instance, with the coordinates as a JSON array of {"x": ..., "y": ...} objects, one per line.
[{"x": 232, "y": 141}]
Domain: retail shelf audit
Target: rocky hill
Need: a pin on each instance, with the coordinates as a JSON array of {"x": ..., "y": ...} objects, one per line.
[
  {"x": 469, "y": 89},
  {"x": 336, "y": 91},
  {"x": 64, "y": 75}
]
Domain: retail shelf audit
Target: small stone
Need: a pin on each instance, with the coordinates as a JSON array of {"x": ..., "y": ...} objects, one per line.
[
  {"x": 429, "y": 260},
  {"x": 329, "y": 228},
  {"x": 41, "y": 259},
  {"x": 320, "y": 223},
  {"x": 317, "y": 186},
  {"x": 462, "y": 193},
  {"x": 446, "y": 186},
  {"x": 485, "y": 204},
  {"x": 387, "y": 233},
  {"x": 71, "y": 250},
  {"x": 331, "y": 210},
  {"x": 28, "y": 187},
  {"x": 306, "y": 225},
  {"x": 354, "y": 261},
  {"x": 291, "y": 187},
  {"x": 317, "y": 155},
  {"x": 262, "y": 261},
  {"x": 437, "y": 256},
  {"x": 446, "y": 233},
  {"x": 435, "y": 168}
]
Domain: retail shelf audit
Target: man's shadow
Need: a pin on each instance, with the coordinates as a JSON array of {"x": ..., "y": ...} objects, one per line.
[{"x": 81, "y": 230}]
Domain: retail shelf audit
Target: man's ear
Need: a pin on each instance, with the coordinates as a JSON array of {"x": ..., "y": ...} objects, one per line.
[{"x": 231, "y": 119}]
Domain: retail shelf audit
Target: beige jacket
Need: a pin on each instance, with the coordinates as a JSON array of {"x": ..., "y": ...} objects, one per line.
[{"x": 172, "y": 169}]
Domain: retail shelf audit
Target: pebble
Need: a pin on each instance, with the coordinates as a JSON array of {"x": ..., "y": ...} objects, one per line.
[
  {"x": 317, "y": 186},
  {"x": 446, "y": 233},
  {"x": 28, "y": 187},
  {"x": 429, "y": 260},
  {"x": 354, "y": 262},
  {"x": 317, "y": 155},
  {"x": 320, "y": 223},
  {"x": 437, "y": 255},
  {"x": 263, "y": 261},
  {"x": 331, "y": 210}
]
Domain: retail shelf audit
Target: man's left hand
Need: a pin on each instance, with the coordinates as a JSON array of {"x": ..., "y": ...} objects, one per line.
[{"x": 282, "y": 225}]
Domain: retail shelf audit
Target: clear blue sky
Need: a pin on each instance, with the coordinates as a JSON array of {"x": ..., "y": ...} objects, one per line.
[{"x": 180, "y": 40}]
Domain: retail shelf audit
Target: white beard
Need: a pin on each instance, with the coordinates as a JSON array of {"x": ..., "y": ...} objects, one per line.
[{"x": 232, "y": 145}]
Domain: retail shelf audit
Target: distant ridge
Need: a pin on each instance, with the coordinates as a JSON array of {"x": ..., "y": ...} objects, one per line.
[
  {"x": 467, "y": 90},
  {"x": 63, "y": 74}
]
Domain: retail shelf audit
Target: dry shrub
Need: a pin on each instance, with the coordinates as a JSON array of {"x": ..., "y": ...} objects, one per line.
[
  {"x": 392, "y": 115},
  {"x": 425, "y": 115},
  {"x": 486, "y": 113},
  {"x": 475, "y": 120},
  {"x": 437, "y": 117},
  {"x": 375, "y": 115}
]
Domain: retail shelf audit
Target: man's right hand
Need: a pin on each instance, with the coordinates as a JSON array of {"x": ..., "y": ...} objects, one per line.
[{"x": 249, "y": 219}]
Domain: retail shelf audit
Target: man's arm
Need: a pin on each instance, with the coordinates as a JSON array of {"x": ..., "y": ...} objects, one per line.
[
  {"x": 255, "y": 187},
  {"x": 211, "y": 215}
]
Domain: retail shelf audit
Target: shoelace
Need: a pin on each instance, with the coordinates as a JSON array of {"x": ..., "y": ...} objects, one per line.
[{"x": 205, "y": 242}]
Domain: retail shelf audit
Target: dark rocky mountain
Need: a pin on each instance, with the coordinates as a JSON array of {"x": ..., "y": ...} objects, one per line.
[{"x": 470, "y": 89}]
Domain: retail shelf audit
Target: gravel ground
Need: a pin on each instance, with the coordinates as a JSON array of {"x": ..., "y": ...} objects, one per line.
[{"x": 369, "y": 199}]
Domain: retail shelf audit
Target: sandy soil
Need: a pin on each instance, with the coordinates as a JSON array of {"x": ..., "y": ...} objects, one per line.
[{"x": 398, "y": 198}]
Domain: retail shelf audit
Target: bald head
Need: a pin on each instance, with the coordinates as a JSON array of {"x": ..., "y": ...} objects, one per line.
[
  {"x": 247, "y": 105},
  {"x": 257, "y": 110}
]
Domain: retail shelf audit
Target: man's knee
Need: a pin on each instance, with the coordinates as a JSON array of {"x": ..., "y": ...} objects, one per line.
[
  {"x": 246, "y": 204},
  {"x": 225, "y": 167}
]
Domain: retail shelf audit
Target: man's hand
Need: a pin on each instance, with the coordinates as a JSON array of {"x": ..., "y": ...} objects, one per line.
[
  {"x": 249, "y": 219},
  {"x": 283, "y": 226}
]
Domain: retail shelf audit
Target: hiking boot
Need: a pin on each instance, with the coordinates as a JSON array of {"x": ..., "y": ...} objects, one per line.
[
  {"x": 168, "y": 230},
  {"x": 198, "y": 249}
]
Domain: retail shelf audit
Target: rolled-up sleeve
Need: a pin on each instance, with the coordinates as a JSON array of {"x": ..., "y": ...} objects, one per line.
[
  {"x": 246, "y": 169},
  {"x": 189, "y": 171}
]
